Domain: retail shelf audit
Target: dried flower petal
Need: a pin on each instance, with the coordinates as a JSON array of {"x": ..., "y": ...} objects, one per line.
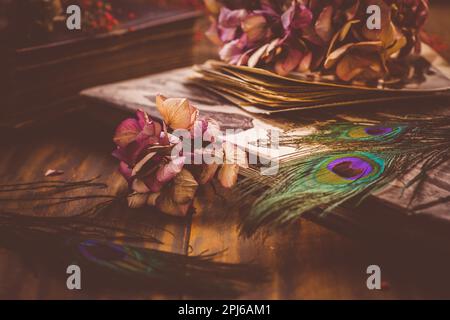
[
  {"x": 235, "y": 157},
  {"x": 367, "y": 67},
  {"x": 178, "y": 199},
  {"x": 184, "y": 187},
  {"x": 133, "y": 136},
  {"x": 231, "y": 50},
  {"x": 168, "y": 171},
  {"x": 126, "y": 132},
  {"x": 289, "y": 63},
  {"x": 341, "y": 34},
  {"x": 228, "y": 175},
  {"x": 256, "y": 56},
  {"x": 212, "y": 131},
  {"x": 177, "y": 113},
  {"x": 297, "y": 16},
  {"x": 231, "y": 18},
  {"x": 226, "y": 34},
  {"x": 323, "y": 26},
  {"x": 130, "y": 154},
  {"x": 334, "y": 56},
  {"x": 137, "y": 168},
  {"x": 254, "y": 26},
  {"x": 305, "y": 63}
]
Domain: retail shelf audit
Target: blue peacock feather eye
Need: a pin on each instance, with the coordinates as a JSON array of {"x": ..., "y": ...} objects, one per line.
[
  {"x": 350, "y": 168},
  {"x": 343, "y": 169}
]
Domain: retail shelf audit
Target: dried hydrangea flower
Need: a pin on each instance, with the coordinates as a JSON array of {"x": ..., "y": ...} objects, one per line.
[
  {"x": 301, "y": 35},
  {"x": 154, "y": 162}
]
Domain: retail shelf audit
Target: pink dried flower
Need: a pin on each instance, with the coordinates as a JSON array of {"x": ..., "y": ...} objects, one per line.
[
  {"x": 154, "y": 162},
  {"x": 300, "y": 35},
  {"x": 145, "y": 153}
]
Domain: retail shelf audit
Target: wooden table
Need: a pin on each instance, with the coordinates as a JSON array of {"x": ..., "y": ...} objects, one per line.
[{"x": 305, "y": 261}]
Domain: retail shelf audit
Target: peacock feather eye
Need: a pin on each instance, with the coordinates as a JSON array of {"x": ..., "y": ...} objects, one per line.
[
  {"x": 343, "y": 169},
  {"x": 367, "y": 133},
  {"x": 378, "y": 130}
]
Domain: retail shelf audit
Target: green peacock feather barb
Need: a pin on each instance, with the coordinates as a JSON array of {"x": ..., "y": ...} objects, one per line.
[{"x": 344, "y": 160}]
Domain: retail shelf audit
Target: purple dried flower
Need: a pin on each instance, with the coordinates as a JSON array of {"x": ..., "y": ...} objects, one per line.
[{"x": 300, "y": 35}]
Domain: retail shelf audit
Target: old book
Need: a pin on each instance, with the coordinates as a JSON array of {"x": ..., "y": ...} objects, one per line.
[{"x": 45, "y": 77}]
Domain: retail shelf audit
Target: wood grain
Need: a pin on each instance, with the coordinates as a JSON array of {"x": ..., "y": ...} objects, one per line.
[{"x": 82, "y": 150}]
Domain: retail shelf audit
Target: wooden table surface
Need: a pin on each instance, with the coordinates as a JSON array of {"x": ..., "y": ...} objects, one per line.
[{"x": 305, "y": 261}]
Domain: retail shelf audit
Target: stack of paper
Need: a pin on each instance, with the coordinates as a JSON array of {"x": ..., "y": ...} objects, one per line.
[{"x": 262, "y": 91}]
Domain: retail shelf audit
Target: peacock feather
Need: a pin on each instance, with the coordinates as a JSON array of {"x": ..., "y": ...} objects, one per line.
[
  {"x": 125, "y": 261},
  {"x": 191, "y": 274},
  {"x": 343, "y": 160}
]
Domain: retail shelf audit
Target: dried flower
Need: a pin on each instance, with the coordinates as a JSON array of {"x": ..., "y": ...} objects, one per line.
[
  {"x": 153, "y": 160},
  {"x": 320, "y": 35}
]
